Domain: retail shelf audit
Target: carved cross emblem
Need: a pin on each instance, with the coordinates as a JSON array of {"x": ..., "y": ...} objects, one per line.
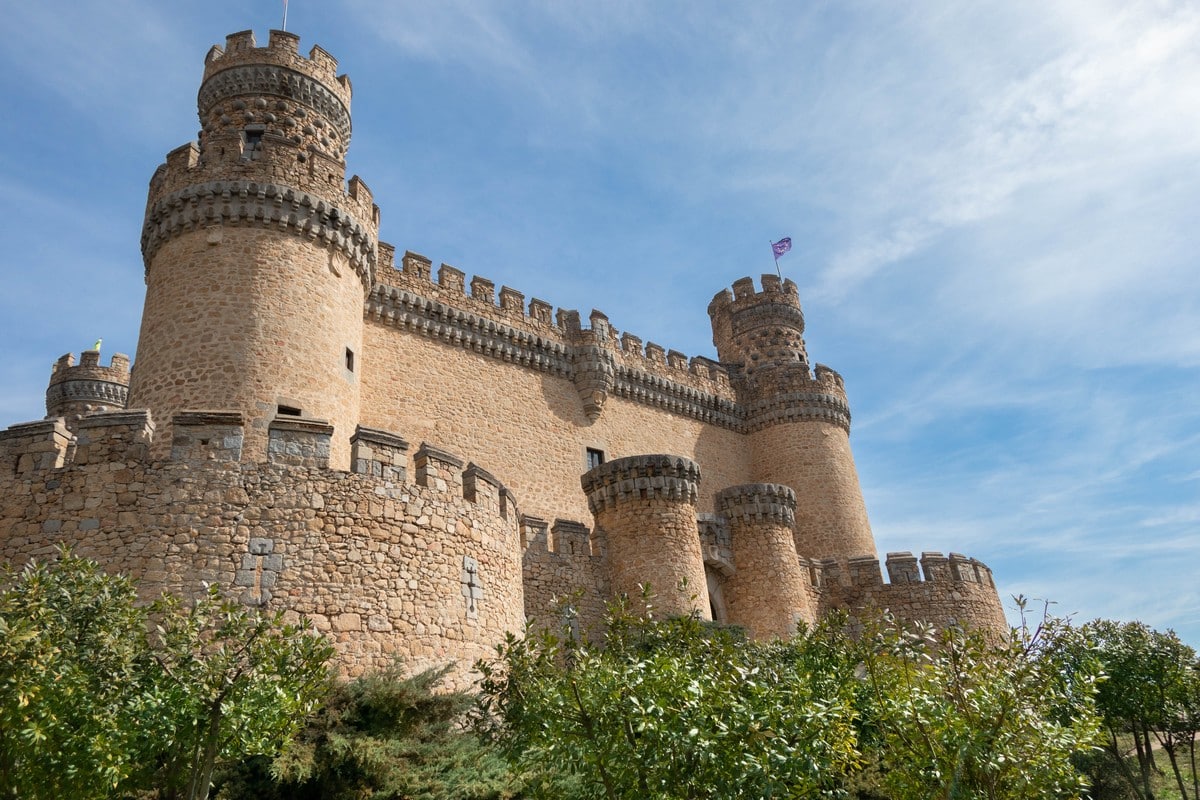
[{"x": 472, "y": 589}]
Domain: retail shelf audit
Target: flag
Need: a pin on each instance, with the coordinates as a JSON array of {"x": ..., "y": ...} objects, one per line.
[
  {"x": 96, "y": 346},
  {"x": 782, "y": 246}
]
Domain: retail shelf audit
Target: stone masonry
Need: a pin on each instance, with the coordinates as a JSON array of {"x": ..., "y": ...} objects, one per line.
[{"x": 288, "y": 357}]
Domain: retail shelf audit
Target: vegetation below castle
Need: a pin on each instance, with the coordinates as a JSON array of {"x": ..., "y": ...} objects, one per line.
[{"x": 102, "y": 697}]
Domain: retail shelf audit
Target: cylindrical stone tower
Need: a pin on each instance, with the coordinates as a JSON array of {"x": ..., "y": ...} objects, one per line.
[
  {"x": 76, "y": 390},
  {"x": 767, "y": 594},
  {"x": 257, "y": 257},
  {"x": 646, "y": 506},
  {"x": 799, "y": 425}
]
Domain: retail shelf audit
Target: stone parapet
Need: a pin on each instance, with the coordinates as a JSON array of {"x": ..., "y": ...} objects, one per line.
[
  {"x": 113, "y": 436},
  {"x": 299, "y": 442},
  {"x": 641, "y": 477},
  {"x": 207, "y": 436},
  {"x": 814, "y": 401},
  {"x": 33, "y": 447},
  {"x": 379, "y": 453},
  {"x": 945, "y": 591},
  {"x": 437, "y": 468}
]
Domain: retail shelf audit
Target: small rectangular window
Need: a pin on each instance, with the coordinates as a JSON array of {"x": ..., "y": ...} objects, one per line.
[
  {"x": 252, "y": 138},
  {"x": 594, "y": 458},
  {"x": 349, "y": 359},
  {"x": 287, "y": 411}
]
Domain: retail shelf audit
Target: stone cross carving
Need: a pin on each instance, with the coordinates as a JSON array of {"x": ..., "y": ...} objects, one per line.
[
  {"x": 472, "y": 589},
  {"x": 259, "y": 571}
]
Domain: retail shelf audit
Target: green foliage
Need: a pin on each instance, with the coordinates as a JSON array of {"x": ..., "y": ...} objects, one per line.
[
  {"x": 673, "y": 709},
  {"x": 383, "y": 736},
  {"x": 954, "y": 717},
  {"x": 72, "y": 658},
  {"x": 91, "y": 706},
  {"x": 231, "y": 682},
  {"x": 1151, "y": 699}
]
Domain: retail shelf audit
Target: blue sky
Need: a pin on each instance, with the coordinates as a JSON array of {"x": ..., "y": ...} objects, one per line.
[{"x": 993, "y": 207}]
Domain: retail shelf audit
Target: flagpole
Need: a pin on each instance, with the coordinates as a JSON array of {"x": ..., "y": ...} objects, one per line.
[
  {"x": 285, "y": 2},
  {"x": 777, "y": 272}
]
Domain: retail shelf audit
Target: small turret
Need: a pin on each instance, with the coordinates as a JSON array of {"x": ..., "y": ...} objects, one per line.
[
  {"x": 759, "y": 330},
  {"x": 646, "y": 506},
  {"x": 77, "y": 390},
  {"x": 768, "y": 593}
]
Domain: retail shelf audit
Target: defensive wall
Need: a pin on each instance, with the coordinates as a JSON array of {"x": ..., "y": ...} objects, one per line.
[
  {"x": 436, "y": 568},
  {"x": 423, "y": 564}
]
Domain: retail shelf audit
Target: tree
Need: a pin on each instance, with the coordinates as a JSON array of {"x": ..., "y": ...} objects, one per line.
[
  {"x": 1152, "y": 695},
  {"x": 954, "y": 717},
  {"x": 72, "y": 656},
  {"x": 93, "y": 706},
  {"x": 231, "y": 682},
  {"x": 673, "y": 708},
  {"x": 385, "y": 735}
]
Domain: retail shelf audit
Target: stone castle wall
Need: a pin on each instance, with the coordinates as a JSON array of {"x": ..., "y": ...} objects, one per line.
[
  {"x": 427, "y": 570},
  {"x": 507, "y": 383},
  {"x": 936, "y": 589}
]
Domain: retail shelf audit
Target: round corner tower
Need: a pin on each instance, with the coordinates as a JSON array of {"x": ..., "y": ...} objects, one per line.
[
  {"x": 798, "y": 422},
  {"x": 257, "y": 257}
]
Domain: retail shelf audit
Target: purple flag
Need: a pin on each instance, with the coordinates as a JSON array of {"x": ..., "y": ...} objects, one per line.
[{"x": 782, "y": 246}]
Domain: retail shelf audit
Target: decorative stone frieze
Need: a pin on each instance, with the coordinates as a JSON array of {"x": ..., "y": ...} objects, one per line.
[
  {"x": 641, "y": 477},
  {"x": 259, "y": 204},
  {"x": 756, "y": 501},
  {"x": 84, "y": 391},
  {"x": 257, "y": 80}
]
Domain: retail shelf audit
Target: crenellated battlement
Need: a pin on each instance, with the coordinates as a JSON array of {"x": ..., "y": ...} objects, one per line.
[
  {"x": 215, "y": 439},
  {"x": 429, "y": 570},
  {"x": 282, "y": 50},
  {"x": 934, "y": 588},
  {"x": 645, "y": 477},
  {"x": 904, "y": 568},
  {"x": 601, "y": 360},
  {"x": 87, "y": 387},
  {"x": 744, "y": 296}
]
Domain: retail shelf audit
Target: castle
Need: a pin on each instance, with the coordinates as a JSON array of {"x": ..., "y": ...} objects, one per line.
[{"x": 418, "y": 465}]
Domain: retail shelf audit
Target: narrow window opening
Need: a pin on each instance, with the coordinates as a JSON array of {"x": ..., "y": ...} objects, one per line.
[
  {"x": 288, "y": 411},
  {"x": 349, "y": 359},
  {"x": 594, "y": 458},
  {"x": 252, "y": 142}
]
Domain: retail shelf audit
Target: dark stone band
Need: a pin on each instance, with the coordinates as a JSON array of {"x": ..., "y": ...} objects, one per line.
[
  {"x": 77, "y": 391},
  {"x": 276, "y": 81}
]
